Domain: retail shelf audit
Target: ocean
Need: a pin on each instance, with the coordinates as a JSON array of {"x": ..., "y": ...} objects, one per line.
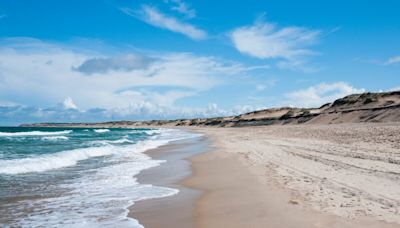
[{"x": 64, "y": 177}]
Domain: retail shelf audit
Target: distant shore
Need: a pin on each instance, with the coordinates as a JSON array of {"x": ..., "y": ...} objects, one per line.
[{"x": 356, "y": 108}]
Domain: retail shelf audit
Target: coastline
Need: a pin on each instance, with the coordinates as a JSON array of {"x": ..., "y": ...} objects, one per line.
[{"x": 340, "y": 175}]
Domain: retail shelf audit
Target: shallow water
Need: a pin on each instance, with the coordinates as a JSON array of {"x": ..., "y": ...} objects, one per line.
[{"x": 76, "y": 177}]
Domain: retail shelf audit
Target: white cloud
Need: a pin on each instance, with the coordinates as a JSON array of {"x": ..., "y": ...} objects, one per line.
[
  {"x": 37, "y": 75},
  {"x": 154, "y": 17},
  {"x": 393, "y": 60},
  {"x": 69, "y": 103},
  {"x": 12, "y": 115},
  {"x": 266, "y": 41},
  {"x": 182, "y": 7},
  {"x": 320, "y": 94}
]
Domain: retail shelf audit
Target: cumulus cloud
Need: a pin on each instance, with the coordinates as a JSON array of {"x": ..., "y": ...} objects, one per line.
[
  {"x": 393, "y": 60},
  {"x": 144, "y": 110},
  {"x": 38, "y": 75},
  {"x": 26, "y": 76},
  {"x": 320, "y": 94},
  {"x": 265, "y": 40},
  {"x": 69, "y": 103},
  {"x": 154, "y": 17}
]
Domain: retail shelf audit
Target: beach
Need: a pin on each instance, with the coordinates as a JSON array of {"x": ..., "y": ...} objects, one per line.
[
  {"x": 199, "y": 114},
  {"x": 340, "y": 175},
  {"x": 310, "y": 175}
]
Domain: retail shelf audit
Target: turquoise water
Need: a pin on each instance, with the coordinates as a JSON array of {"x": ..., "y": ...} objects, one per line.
[
  {"x": 16, "y": 142},
  {"x": 76, "y": 177}
]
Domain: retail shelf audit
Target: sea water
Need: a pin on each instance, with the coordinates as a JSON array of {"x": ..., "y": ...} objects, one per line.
[{"x": 59, "y": 177}]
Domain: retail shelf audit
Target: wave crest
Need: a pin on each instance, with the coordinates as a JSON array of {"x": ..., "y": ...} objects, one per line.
[
  {"x": 51, "y": 161},
  {"x": 101, "y": 130},
  {"x": 34, "y": 133},
  {"x": 55, "y": 138}
]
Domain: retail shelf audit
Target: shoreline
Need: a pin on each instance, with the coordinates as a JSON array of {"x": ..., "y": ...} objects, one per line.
[{"x": 162, "y": 212}]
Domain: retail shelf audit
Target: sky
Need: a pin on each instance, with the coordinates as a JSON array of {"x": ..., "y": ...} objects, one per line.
[{"x": 100, "y": 60}]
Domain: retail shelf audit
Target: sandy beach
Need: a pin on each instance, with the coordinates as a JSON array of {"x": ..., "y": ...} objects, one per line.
[
  {"x": 292, "y": 176},
  {"x": 199, "y": 114}
]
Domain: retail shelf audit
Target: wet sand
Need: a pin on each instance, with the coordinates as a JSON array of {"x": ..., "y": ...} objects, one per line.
[{"x": 177, "y": 210}]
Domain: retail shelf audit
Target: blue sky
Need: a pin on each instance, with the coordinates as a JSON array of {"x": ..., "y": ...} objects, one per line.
[{"x": 108, "y": 60}]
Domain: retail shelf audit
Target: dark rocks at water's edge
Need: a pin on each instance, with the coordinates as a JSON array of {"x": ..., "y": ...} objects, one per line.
[{"x": 356, "y": 108}]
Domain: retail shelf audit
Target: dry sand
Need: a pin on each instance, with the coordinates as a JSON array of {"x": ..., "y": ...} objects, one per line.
[
  {"x": 341, "y": 175},
  {"x": 300, "y": 176}
]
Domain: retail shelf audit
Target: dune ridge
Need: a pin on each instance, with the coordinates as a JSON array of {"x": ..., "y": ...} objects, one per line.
[{"x": 356, "y": 108}]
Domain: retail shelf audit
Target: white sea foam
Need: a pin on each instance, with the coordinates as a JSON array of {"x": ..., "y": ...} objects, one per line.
[
  {"x": 68, "y": 158},
  {"x": 34, "y": 133},
  {"x": 51, "y": 161},
  {"x": 123, "y": 140},
  {"x": 109, "y": 142},
  {"x": 105, "y": 194},
  {"x": 55, "y": 138},
  {"x": 100, "y": 199},
  {"x": 101, "y": 130},
  {"x": 156, "y": 131}
]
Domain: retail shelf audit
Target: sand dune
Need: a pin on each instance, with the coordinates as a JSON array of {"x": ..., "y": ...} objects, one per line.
[{"x": 357, "y": 108}]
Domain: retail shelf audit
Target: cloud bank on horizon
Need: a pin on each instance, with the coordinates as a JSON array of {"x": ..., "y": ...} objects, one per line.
[{"x": 181, "y": 59}]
